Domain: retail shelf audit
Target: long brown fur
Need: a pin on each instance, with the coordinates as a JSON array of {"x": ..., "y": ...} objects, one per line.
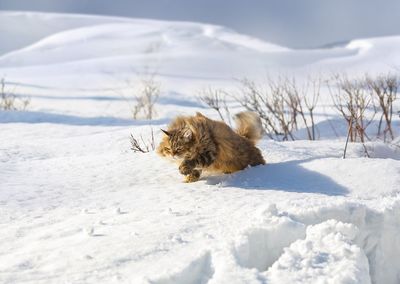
[{"x": 200, "y": 143}]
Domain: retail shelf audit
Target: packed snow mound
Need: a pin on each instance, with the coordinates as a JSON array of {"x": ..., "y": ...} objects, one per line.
[{"x": 327, "y": 252}]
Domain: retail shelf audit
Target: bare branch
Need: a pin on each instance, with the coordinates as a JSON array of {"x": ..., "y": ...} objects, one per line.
[
  {"x": 214, "y": 99},
  {"x": 8, "y": 99},
  {"x": 384, "y": 89},
  {"x": 140, "y": 145}
]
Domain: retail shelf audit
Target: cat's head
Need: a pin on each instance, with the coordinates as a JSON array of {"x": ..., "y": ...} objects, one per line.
[{"x": 176, "y": 143}]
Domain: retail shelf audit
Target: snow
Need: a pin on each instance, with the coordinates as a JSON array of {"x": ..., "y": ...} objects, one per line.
[
  {"x": 327, "y": 254},
  {"x": 77, "y": 205}
]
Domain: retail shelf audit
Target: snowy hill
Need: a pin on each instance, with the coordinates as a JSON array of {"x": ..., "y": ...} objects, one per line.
[
  {"x": 77, "y": 205},
  {"x": 59, "y": 46}
]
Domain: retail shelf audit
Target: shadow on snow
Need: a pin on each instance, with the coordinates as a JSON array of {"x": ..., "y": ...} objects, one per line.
[
  {"x": 44, "y": 117},
  {"x": 288, "y": 176}
]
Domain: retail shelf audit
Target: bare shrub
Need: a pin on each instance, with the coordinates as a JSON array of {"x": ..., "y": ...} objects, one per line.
[
  {"x": 269, "y": 104},
  {"x": 312, "y": 103},
  {"x": 351, "y": 99},
  {"x": 146, "y": 98},
  {"x": 140, "y": 145},
  {"x": 301, "y": 104},
  {"x": 9, "y": 101},
  {"x": 384, "y": 89},
  {"x": 280, "y": 104},
  {"x": 216, "y": 99}
]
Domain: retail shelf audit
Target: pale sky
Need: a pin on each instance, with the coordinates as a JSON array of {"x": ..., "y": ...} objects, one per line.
[{"x": 293, "y": 23}]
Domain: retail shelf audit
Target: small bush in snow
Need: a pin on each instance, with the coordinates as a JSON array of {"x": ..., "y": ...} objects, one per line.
[
  {"x": 281, "y": 104},
  {"x": 138, "y": 144},
  {"x": 301, "y": 103},
  {"x": 9, "y": 101},
  {"x": 216, "y": 99},
  {"x": 384, "y": 90},
  {"x": 146, "y": 98},
  {"x": 351, "y": 99}
]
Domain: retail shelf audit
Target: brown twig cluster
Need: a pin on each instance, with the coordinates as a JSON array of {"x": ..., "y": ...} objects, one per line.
[
  {"x": 360, "y": 100},
  {"x": 216, "y": 100},
  {"x": 384, "y": 90},
  {"x": 140, "y": 145},
  {"x": 285, "y": 106},
  {"x": 281, "y": 104},
  {"x": 9, "y": 101},
  {"x": 351, "y": 99},
  {"x": 301, "y": 103}
]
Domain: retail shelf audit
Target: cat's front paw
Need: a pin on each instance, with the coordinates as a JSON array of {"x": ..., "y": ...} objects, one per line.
[
  {"x": 193, "y": 177},
  {"x": 186, "y": 167}
]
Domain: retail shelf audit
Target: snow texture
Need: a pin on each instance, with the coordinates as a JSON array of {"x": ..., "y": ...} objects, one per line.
[{"x": 78, "y": 206}]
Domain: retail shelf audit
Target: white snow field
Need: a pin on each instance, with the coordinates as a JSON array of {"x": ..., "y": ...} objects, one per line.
[{"x": 78, "y": 206}]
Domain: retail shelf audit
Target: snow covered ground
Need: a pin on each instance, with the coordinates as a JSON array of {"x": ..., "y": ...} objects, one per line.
[{"x": 78, "y": 206}]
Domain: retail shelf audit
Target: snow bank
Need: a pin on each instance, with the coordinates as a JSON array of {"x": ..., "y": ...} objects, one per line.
[
  {"x": 327, "y": 254},
  {"x": 376, "y": 236},
  {"x": 260, "y": 247},
  {"x": 334, "y": 244},
  {"x": 337, "y": 244}
]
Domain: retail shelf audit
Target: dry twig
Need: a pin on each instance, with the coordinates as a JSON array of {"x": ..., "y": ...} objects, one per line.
[
  {"x": 140, "y": 145},
  {"x": 215, "y": 99}
]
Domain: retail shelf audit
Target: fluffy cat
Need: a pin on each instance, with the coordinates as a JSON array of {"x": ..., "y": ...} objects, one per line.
[{"x": 200, "y": 143}]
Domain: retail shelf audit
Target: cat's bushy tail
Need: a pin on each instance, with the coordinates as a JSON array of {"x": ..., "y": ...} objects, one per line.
[{"x": 248, "y": 125}]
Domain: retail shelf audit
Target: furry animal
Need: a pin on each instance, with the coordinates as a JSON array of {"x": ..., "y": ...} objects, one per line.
[{"x": 199, "y": 143}]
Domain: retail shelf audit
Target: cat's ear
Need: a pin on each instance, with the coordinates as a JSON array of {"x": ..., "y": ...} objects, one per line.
[
  {"x": 166, "y": 132},
  {"x": 188, "y": 135}
]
